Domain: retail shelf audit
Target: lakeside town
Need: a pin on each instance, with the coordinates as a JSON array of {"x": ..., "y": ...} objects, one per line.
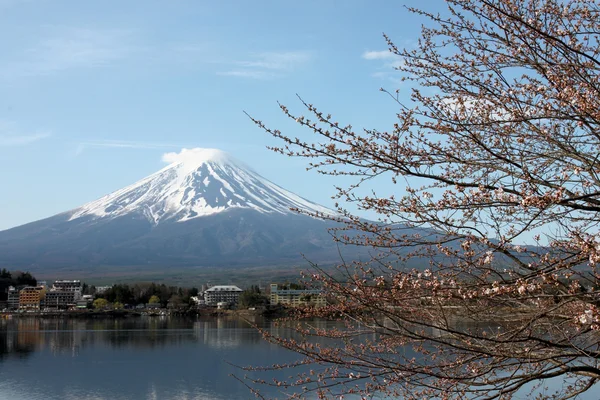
[{"x": 67, "y": 296}]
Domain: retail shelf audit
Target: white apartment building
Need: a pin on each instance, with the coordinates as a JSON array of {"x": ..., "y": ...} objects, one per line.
[{"x": 222, "y": 294}]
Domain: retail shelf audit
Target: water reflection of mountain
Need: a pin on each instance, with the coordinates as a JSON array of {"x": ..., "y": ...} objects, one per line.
[{"x": 22, "y": 336}]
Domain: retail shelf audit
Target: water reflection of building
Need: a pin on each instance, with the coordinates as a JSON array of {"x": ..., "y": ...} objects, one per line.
[
  {"x": 64, "y": 336},
  {"x": 225, "y": 333},
  {"x": 25, "y": 335},
  {"x": 29, "y": 332},
  {"x": 14, "y": 342},
  {"x": 67, "y": 337}
]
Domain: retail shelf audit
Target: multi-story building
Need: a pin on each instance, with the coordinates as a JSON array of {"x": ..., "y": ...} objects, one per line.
[
  {"x": 68, "y": 286},
  {"x": 13, "y": 298},
  {"x": 59, "y": 300},
  {"x": 222, "y": 294},
  {"x": 63, "y": 295},
  {"x": 30, "y": 297},
  {"x": 296, "y": 297}
]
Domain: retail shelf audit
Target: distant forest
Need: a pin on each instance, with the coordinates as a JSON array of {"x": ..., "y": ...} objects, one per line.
[{"x": 141, "y": 293}]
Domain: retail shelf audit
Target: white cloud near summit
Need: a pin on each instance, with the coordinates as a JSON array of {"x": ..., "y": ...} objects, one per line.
[{"x": 192, "y": 155}]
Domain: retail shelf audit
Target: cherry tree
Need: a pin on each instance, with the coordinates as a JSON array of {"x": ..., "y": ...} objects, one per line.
[{"x": 482, "y": 280}]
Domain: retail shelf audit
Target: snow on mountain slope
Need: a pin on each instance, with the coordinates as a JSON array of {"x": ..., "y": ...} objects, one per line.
[{"x": 199, "y": 182}]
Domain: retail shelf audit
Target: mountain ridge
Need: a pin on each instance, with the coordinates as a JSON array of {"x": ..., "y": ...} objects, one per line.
[{"x": 204, "y": 208}]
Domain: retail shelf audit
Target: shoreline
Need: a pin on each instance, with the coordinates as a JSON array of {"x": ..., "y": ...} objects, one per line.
[{"x": 92, "y": 314}]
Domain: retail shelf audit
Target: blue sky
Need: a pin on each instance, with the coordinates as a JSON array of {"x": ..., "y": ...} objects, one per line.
[{"x": 92, "y": 93}]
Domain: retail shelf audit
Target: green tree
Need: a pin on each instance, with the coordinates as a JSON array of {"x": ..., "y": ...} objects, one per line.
[
  {"x": 100, "y": 303},
  {"x": 154, "y": 299},
  {"x": 175, "y": 301}
]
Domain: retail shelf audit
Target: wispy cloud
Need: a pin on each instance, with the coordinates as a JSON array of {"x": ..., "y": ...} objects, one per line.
[
  {"x": 389, "y": 62},
  {"x": 124, "y": 144},
  {"x": 70, "y": 48},
  {"x": 22, "y": 140},
  {"x": 252, "y": 74},
  {"x": 379, "y": 55},
  {"x": 10, "y": 136},
  {"x": 278, "y": 61},
  {"x": 268, "y": 65},
  {"x": 188, "y": 55}
]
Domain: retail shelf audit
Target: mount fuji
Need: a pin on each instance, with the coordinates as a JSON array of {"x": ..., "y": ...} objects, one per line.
[
  {"x": 203, "y": 209},
  {"x": 201, "y": 182}
]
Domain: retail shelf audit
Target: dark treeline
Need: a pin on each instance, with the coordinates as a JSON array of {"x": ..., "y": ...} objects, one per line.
[
  {"x": 293, "y": 286},
  {"x": 253, "y": 297},
  {"x": 16, "y": 279},
  {"x": 140, "y": 293}
]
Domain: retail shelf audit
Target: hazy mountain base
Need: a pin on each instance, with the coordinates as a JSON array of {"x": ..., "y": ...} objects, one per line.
[
  {"x": 194, "y": 275},
  {"x": 237, "y": 238},
  {"x": 176, "y": 276}
]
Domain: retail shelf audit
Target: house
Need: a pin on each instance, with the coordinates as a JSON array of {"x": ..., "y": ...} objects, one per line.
[
  {"x": 198, "y": 301},
  {"x": 82, "y": 304},
  {"x": 222, "y": 294},
  {"x": 296, "y": 297}
]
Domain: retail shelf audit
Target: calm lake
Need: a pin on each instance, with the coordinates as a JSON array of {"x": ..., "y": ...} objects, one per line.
[
  {"x": 152, "y": 358},
  {"x": 135, "y": 358}
]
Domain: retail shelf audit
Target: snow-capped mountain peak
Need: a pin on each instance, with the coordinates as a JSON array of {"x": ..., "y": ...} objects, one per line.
[
  {"x": 196, "y": 183},
  {"x": 189, "y": 160}
]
